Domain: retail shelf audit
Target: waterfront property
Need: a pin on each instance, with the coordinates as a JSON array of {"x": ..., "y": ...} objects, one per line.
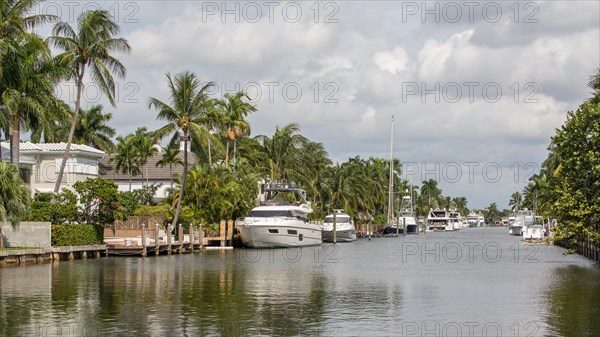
[
  {"x": 151, "y": 173},
  {"x": 39, "y": 164}
]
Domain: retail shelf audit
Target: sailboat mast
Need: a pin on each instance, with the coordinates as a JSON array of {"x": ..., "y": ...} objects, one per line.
[{"x": 390, "y": 214}]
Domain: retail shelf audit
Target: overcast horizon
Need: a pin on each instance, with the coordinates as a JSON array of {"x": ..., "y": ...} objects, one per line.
[{"x": 476, "y": 88}]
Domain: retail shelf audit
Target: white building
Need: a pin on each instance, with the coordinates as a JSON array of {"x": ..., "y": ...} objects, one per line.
[{"x": 40, "y": 163}]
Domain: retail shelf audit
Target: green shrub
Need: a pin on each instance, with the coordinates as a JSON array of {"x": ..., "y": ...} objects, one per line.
[{"x": 77, "y": 235}]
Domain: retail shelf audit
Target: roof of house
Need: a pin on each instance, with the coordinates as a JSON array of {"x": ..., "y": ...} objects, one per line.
[
  {"x": 107, "y": 169},
  {"x": 23, "y": 159},
  {"x": 41, "y": 148}
]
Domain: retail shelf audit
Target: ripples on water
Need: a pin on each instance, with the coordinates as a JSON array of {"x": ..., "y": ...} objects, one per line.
[{"x": 468, "y": 283}]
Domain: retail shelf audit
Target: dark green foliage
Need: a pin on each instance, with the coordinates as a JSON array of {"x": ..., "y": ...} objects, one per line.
[
  {"x": 64, "y": 210},
  {"x": 77, "y": 235},
  {"x": 100, "y": 200}
]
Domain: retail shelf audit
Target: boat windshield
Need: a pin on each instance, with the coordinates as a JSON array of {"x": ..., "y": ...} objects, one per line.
[{"x": 338, "y": 219}]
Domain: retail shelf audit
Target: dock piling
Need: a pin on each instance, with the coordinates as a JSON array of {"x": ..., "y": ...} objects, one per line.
[
  {"x": 180, "y": 235},
  {"x": 191, "y": 238},
  {"x": 169, "y": 239},
  {"x": 144, "y": 251}
]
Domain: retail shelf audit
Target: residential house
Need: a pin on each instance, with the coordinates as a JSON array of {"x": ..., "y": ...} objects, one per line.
[
  {"x": 163, "y": 176},
  {"x": 40, "y": 163}
]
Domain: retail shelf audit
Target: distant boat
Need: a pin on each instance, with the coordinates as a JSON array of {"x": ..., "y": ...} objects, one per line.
[
  {"x": 523, "y": 218},
  {"x": 344, "y": 227},
  {"x": 407, "y": 217},
  {"x": 475, "y": 220},
  {"x": 535, "y": 230},
  {"x": 438, "y": 220},
  {"x": 456, "y": 220},
  {"x": 281, "y": 220}
]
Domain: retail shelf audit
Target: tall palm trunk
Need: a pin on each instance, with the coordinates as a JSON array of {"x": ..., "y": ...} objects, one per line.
[
  {"x": 183, "y": 179},
  {"x": 209, "y": 151},
  {"x": 227, "y": 153},
  {"x": 61, "y": 172},
  {"x": 15, "y": 136},
  {"x": 234, "y": 153}
]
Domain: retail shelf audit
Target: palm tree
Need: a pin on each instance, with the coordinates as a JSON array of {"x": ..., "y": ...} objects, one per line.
[
  {"x": 91, "y": 47},
  {"x": 594, "y": 81},
  {"x": 15, "y": 198},
  {"x": 91, "y": 129},
  {"x": 53, "y": 128},
  {"x": 234, "y": 110},
  {"x": 279, "y": 155},
  {"x": 516, "y": 199},
  {"x": 15, "y": 22},
  {"x": 144, "y": 145},
  {"x": 430, "y": 189},
  {"x": 125, "y": 157},
  {"x": 170, "y": 157},
  {"x": 26, "y": 88},
  {"x": 189, "y": 101}
]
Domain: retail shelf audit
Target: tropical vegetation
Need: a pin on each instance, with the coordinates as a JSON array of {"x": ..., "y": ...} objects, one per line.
[
  {"x": 567, "y": 187},
  {"x": 211, "y": 139}
]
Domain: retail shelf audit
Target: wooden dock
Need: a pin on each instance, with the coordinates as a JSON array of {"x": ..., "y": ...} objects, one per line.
[{"x": 140, "y": 246}]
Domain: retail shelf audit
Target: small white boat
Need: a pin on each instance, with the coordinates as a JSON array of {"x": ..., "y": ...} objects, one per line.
[
  {"x": 281, "y": 220},
  {"x": 344, "y": 227},
  {"x": 535, "y": 230},
  {"x": 523, "y": 218}
]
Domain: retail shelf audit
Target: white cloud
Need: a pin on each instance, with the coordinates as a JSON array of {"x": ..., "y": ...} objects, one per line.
[{"x": 394, "y": 61}]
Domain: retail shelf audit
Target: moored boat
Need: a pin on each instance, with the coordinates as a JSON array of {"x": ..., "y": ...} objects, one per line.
[
  {"x": 523, "y": 218},
  {"x": 281, "y": 220},
  {"x": 344, "y": 227},
  {"x": 534, "y": 230},
  {"x": 439, "y": 220}
]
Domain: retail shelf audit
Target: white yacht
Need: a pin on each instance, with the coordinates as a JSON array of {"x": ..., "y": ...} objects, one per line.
[
  {"x": 534, "y": 230},
  {"x": 475, "y": 220},
  {"x": 281, "y": 220},
  {"x": 439, "y": 220},
  {"x": 456, "y": 220},
  {"x": 523, "y": 218},
  {"x": 344, "y": 227}
]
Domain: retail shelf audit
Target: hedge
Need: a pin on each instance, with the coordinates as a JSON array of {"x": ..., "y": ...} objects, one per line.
[{"x": 77, "y": 235}]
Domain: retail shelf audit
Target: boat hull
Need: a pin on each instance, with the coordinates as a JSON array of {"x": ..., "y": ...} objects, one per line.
[
  {"x": 515, "y": 230},
  {"x": 393, "y": 230},
  {"x": 412, "y": 229},
  {"x": 533, "y": 233},
  {"x": 345, "y": 235},
  {"x": 279, "y": 234}
]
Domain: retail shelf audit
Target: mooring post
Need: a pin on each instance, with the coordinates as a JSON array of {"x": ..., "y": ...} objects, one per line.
[
  {"x": 334, "y": 228},
  {"x": 404, "y": 225},
  {"x": 169, "y": 239},
  {"x": 222, "y": 229},
  {"x": 191, "y": 238},
  {"x": 156, "y": 239},
  {"x": 144, "y": 251},
  {"x": 180, "y": 234},
  {"x": 369, "y": 230},
  {"x": 229, "y": 233},
  {"x": 201, "y": 237}
]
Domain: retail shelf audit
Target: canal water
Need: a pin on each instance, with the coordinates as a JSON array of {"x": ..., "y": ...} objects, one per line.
[{"x": 475, "y": 282}]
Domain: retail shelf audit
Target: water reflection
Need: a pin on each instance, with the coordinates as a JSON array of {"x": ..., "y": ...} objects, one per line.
[
  {"x": 574, "y": 301},
  {"x": 362, "y": 288}
]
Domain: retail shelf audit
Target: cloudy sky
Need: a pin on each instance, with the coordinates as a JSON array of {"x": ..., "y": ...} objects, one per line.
[{"x": 476, "y": 88}]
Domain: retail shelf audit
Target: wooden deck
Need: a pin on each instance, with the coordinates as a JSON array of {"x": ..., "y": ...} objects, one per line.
[{"x": 129, "y": 246}]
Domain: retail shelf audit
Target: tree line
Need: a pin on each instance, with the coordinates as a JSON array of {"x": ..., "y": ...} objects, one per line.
[
  {"x": 567, "y": 187},
  {"x": 224, "y": 161}
]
